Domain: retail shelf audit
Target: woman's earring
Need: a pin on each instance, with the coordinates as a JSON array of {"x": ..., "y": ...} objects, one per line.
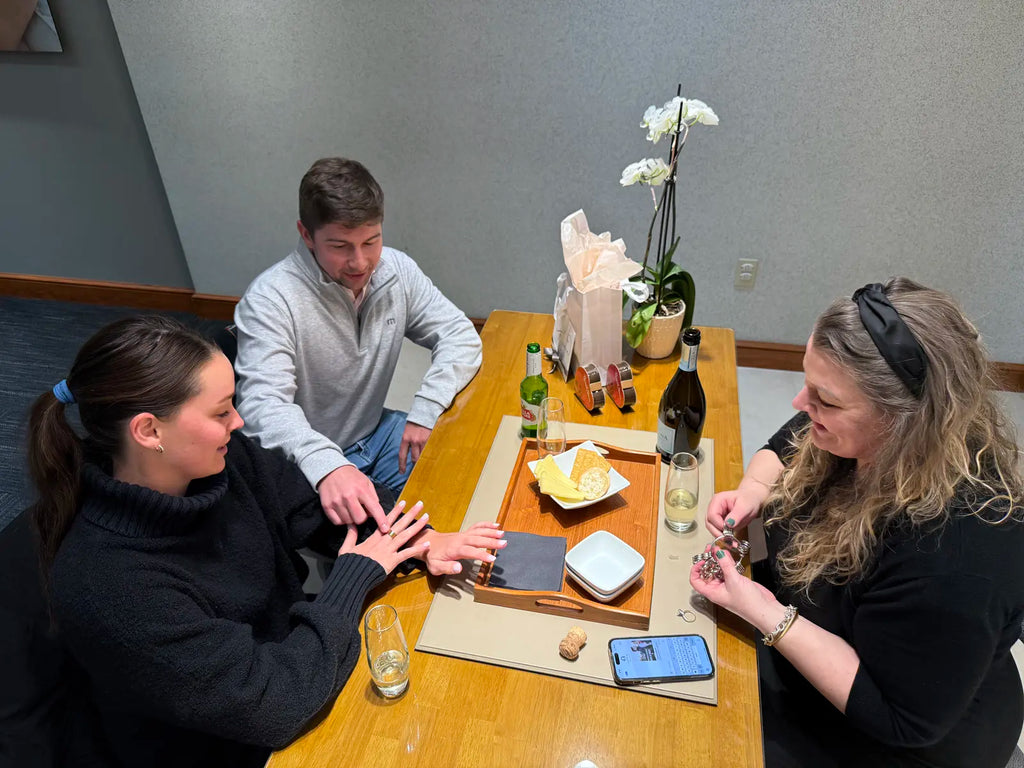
[{"x": 160, "y": 449}]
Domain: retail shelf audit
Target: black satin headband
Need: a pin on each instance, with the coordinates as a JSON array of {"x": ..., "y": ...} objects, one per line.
[{"x": 895, "y": 342}]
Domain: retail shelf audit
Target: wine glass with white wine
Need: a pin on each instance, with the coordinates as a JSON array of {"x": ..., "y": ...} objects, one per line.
[
  {"x": 551, "y": 429},
  {"x": 682, "y": 490}
]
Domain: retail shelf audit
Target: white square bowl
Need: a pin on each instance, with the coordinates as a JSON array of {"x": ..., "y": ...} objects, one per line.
[
  {"x": 604, "y": 564},
  {"x": 566, "y": 459},
  {"x": 602, "y": 596}
]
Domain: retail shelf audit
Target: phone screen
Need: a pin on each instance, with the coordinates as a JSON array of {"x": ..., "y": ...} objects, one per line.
[{"x": 659, "y": 659}]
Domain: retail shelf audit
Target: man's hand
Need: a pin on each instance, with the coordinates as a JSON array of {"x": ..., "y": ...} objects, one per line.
[
  {"x": 348, "y": 497},
  {"x": 413, "y": 439}
]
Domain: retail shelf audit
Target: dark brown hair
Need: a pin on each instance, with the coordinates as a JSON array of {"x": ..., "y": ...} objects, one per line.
[
  {"x": 136, "y": 365},
  {"x": 339, "y": 191}
]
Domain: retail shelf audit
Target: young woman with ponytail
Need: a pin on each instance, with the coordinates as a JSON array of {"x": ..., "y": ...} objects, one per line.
[{"x": 167, "y": 543}]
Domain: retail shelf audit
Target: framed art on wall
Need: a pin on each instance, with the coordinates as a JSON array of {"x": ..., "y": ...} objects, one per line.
[{"x": 27, "y": 25}]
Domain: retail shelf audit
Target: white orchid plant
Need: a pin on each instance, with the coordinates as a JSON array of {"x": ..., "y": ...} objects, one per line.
[{"x": 668, "y": 283}]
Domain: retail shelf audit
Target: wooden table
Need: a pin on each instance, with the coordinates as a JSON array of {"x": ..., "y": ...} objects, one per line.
[{"x": 462, "y": 713}]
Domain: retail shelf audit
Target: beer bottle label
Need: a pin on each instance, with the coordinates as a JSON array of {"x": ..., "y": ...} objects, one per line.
[{"x": 531, "y": 413}]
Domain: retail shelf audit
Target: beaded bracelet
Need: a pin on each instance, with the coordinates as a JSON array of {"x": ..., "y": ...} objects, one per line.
[{"x": 782, "y": 627}]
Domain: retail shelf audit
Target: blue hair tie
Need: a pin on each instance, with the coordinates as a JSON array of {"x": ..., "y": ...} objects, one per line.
[{"x": 62, "y": 393}]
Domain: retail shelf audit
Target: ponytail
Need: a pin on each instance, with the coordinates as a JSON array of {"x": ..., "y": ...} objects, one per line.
[
  {"x": 135, "y": 365},
  {"x": 55, "y": 463}
]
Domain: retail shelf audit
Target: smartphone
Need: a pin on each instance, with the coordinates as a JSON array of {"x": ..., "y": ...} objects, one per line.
[{"x": 660, "y": 659}]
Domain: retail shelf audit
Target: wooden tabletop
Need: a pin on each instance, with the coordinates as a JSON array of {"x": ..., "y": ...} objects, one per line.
[{"x": 463, "y": 713}]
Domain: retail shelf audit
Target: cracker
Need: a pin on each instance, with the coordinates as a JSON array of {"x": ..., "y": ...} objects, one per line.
[
  {"x": 585, "y": 459},
  {"x": 594, "y": 483}
]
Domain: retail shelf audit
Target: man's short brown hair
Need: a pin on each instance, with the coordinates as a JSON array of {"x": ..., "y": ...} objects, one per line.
[{"x": 336, "y": 190}]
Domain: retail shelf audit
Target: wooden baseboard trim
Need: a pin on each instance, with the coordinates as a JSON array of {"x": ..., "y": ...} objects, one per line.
[
  {"x": 767, "y": 354},
  {"x": 96, "y": 292},
  {"x": 213, "y": 306},
  {"x": 751, "y": 354},
  {"x": 789, "y": 357}
]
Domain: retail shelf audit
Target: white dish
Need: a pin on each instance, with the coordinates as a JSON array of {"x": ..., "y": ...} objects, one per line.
[
  {"x": 604, "y": 564},
  {"x": 601, "y": 596},
  {"x": 566, "y": 459},
  {"x": 604, "y": 596}
]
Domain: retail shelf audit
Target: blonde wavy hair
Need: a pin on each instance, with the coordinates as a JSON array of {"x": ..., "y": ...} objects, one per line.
[{"x": 954, "y": 440}]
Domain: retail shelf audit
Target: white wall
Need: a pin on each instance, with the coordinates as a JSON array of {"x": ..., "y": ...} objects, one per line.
[
  {"x": 80, "y": 193},
  {"x": 857, "y": 140}
]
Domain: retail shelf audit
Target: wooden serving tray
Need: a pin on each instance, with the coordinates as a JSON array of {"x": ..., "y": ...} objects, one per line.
[{"x": 632, "y": 515}]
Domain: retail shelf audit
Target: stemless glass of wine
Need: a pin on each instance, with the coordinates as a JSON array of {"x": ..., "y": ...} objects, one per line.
[
  {"x": 551, "y": 429},
  {"x": 386, "y": 651},
  {"x": 682, "y": 490}
]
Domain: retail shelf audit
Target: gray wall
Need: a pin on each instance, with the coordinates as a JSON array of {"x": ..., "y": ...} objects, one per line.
[
  {"x": 857, "y": 140},
  {"x": 80, "y": 192}
]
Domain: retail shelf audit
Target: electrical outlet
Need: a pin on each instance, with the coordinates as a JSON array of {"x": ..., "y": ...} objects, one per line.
[{"x": 746, "y": 274}]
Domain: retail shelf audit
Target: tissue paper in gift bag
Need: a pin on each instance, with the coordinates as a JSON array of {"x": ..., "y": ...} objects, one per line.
[{"x": 588, "y": 303}]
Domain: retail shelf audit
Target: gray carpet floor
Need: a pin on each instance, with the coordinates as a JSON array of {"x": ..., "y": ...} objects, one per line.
[{"x": 38, "y": 342}]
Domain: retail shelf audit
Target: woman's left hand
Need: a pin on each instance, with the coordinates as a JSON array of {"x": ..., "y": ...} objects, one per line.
[
  {"x": 733, "y": 591},
  {"x": 447, "y": 549}
]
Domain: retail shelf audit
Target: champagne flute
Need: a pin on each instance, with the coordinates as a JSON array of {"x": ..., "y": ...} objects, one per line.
[
  {"x": 682, "y": 490},
  {"x": 551, "y": 429},
  {"x": 386, "y": 651}
]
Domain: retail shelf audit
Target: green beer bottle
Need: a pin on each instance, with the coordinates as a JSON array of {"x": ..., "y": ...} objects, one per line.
[{"x": 532, "y": 390}]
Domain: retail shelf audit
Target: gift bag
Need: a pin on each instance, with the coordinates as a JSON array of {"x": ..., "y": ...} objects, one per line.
[{"x": 588, "y": 301}]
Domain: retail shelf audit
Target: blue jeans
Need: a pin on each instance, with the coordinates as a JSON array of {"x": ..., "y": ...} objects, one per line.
[{"x": 376, "y": 455}]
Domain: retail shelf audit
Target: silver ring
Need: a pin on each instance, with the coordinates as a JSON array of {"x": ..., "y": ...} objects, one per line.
[{"x": 687, "y": 615}]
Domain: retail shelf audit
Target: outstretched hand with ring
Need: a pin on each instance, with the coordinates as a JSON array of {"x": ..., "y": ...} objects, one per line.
[{"x": 389, "y": 549}]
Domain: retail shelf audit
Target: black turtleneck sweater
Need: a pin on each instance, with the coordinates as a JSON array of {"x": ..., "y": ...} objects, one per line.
[{"x": 188, "y": 615}]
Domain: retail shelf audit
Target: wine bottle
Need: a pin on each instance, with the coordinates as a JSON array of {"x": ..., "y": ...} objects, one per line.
[
  {"x": 683, "y": 407},
  {"x": 532, "y": 390}
]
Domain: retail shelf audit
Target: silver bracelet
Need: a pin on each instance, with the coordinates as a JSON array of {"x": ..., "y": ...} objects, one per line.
[{"x": 782, "y": 627}]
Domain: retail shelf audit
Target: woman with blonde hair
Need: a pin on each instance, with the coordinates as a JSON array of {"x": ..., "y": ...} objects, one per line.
[
  {"x": 168, "y": 543},
  {"x": 893, "y": 514}
]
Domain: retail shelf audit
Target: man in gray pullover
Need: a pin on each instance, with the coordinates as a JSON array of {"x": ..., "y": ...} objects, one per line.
[{"x": 318, "y": 340}]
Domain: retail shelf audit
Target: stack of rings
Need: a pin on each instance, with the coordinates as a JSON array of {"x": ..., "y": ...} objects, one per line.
[{"x": 710, "y": 569}]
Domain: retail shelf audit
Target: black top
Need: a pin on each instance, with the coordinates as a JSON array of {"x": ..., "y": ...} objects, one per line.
[
  {"x": 188, "y": 616},
  {"x": 932, "y": 620}
]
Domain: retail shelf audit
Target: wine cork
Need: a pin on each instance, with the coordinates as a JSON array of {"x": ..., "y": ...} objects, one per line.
[
  {"x": 570, "y": 646},
  {"x": 620, "y": 385},
  {"x": 588, "y": 387}
]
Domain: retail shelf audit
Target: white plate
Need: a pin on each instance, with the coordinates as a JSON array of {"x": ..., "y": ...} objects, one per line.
[
  {"x": 566, "y": 459},
  {"x": 604, "y": 564}
]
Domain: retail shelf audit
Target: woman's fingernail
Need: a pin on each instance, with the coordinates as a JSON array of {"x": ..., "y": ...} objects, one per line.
[
  {"x": 457, "y": 568},
  {"x": 720, "y": 554},
  {"x": 500, "y": 533},
  {"x": 502, "y": 543},
  {"x": 425, "y": 516},
  {"x": 426, "y": 544},
  {"x": 490, "y": 558},
  {"x": 730, "y": 522}
]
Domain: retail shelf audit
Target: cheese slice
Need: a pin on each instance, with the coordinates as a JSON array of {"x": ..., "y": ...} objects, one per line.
[{"x": 554, "y": 482}]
